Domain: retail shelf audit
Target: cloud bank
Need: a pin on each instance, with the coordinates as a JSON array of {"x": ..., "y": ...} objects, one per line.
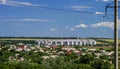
[
  {"x": 16, "y": 3},
  {"x": 28, "y": 20}
]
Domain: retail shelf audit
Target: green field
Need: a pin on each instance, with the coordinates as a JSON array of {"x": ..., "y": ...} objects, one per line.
[
  {"x": 99, "y": 40},
  {"x": 17, "y": 39},
  {"x": 104, "y": 41},
  {"x": 110, "y": 40}
]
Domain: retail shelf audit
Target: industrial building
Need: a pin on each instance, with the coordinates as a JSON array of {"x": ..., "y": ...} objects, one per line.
[{"x": 80, "y": 42}]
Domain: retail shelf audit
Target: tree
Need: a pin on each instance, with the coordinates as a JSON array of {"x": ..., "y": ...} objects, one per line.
[
  {"x": 87, "y": 59},
  {"x": 100, "y": 64},
  {"x": 104, "y": 57},
  {"x": 53, "y": 63},
  {"x": 20, "y": 65}
]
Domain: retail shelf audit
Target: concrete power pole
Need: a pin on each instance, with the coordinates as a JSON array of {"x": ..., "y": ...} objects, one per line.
[{"x": 116, "y": 32}]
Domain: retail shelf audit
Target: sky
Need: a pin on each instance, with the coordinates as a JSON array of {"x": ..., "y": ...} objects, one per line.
[{"x": 56, "y": 18}]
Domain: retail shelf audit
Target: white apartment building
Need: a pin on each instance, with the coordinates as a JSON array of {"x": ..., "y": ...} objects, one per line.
[{"x": 81, "y": 42}]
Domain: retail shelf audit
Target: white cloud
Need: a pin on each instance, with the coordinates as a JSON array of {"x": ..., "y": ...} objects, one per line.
[
  {"x": 67, "y": 27},
  {"x": 3, "y": 1},
  {"x": 79, "y": 7},
  {"x": 15, "y": 3},
  {"x": 28, "y": 20},
  {"x": 99, "y": 13},
  {"x": 103, "y": 24},
  {"x": 53, "y": 29},
  {"x": 71, "y": 29},
  {"x": 104, "y": 0},
  {"x": 81, "y": 26}
]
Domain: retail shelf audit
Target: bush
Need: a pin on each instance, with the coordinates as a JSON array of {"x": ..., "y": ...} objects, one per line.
[{"x": 100, "y": 64}]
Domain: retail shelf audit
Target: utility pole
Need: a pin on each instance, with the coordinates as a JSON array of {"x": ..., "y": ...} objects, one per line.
[
  {"x": 116, "y": 33},
  {"x": 115, "y": 30}
]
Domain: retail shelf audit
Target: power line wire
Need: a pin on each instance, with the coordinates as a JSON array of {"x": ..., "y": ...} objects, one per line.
[{"x": 65, "y": 10}]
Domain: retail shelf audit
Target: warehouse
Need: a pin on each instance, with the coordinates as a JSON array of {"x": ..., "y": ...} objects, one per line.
[{"x": 81, "y": 42}]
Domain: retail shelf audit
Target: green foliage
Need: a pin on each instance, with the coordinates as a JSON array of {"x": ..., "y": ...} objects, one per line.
[
  {"x": 77, "y": 66},
  {"x": 10, "y": 42},
  {"x": 100, "y": 64},
  {"x": 53, "y": 63},
  {"x": 87, "y": 59},
  {"x": 104, "y": 57},
  {"x": 20, "y": 65},
  {"x": 2, "y": 66},
  {"x": 70, "y": 57},
  {"x": 58, "y": 63}
]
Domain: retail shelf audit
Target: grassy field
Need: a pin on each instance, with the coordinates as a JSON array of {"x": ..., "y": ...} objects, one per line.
[
  {"x": 17, "y": 39},
  {"x": 109, "y": 40},
  {"x": 98, "y": 42},
  {"x": 103, "y": 41}
]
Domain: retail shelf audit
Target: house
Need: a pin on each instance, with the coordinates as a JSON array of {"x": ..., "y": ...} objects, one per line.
[
  {"x": 32, "y": 48},
  {"x": 76, "y": 51},
  {"x": 68, "y": 52},
  {"x": 41, "y": 50},
  {"x": 21, "y": 48},
  {"x": 45, "y": 57},
  {"x": 91, "y": 50},
  {"x": 53, "y": 56}
]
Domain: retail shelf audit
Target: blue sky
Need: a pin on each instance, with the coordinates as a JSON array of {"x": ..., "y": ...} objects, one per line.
[{"x": 27, "y": 18}]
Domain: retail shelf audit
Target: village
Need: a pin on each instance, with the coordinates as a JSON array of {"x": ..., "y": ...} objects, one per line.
[{"x": 54, "y": 51}]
